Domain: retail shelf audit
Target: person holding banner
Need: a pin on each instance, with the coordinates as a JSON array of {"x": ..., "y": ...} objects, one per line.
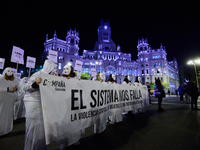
[
  {"x": 101, "y": 123},
  {"x": 99, "y": 77},
  {"x": 137, "y": 81},
  {"x": 118, "y": 116},
  {"x": 8, "y": 96},
  {"x": 68, "y": 72},
  {"x": 34, "y": 134},
  {"x": 111, "y": 79},
  {"x": 127, "y": 80},
  {"x": 19, "y": 108}
]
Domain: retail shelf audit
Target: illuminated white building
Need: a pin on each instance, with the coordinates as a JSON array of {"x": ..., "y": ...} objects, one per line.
[{"x": 107, "y": 57}]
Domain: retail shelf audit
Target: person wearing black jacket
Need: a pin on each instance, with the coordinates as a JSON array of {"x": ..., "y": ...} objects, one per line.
[{"x": 193, "y": 91}]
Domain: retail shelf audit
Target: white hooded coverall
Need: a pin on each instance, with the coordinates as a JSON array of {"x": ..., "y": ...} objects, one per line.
[{"x": 34, "y": 134}]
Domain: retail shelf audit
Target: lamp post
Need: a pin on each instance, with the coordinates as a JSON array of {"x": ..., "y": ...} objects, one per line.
[{"x": 195, "y": 62}]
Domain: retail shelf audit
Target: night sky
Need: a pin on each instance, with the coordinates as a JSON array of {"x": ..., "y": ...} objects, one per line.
[{"x": 175, "y": 24}]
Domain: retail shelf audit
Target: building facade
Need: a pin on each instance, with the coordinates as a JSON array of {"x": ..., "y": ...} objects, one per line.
[{"x": 107, "y": 57}]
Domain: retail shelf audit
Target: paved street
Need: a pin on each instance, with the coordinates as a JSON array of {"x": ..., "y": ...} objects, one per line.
[{"x": 178, "y": 128}]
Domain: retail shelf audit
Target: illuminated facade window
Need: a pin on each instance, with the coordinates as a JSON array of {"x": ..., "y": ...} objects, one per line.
[{"x": 59, "y": 66}]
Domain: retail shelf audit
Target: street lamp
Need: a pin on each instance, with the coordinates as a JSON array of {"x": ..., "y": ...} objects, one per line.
[{"x": 195, "y": 62}]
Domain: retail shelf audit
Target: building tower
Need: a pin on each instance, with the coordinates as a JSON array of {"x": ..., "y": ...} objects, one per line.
[
  {"x": 104, "y": 42},
  {"x": 72, "y": 40}
]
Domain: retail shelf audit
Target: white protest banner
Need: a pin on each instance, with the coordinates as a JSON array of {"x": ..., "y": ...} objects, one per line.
[
  {"x": 2, "y": 61},
  {"x": 93, "y": 72},
  {"x": 78, "y": 67},
  {"x": 104, "y": 76},
  {"x": 17, "y": 55},
  {"x": 53, "y": 56},
  {"x": 30, "y": 62},
  {"x": 70, "y": 105}
]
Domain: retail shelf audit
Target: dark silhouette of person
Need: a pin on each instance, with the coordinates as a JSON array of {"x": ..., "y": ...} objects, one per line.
[
  {"x": 193, "y": 92},
  {"x": 159, "y": 93}
]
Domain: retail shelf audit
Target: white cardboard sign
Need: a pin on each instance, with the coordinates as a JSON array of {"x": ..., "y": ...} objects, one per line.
[
  {"x": 93, "y": 72},
  {"x": 30, "y": 62},
  {"x": 53, "y": 56},
  {"x": 78, "y": 67},
  {"x": 17, "y": 55},
  {"x": 2, "y": 61}
]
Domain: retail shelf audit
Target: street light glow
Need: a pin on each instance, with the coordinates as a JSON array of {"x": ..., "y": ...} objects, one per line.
[
  {"x": 190, "y": 62},
  {"x": 195, "y": 62}
]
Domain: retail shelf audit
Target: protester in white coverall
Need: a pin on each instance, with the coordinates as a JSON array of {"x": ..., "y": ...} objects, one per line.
[
  {"x": 126, "y": 81},
  {"x": 34, "y": 134},
  {"x": 66, "y": 140},
  {"x": 101, "y": 123},
  {"x": 137, "y": 82},
  {"x": 19, "y": 108},
  {"x": 8, "y": 96},
  {"x": 118, "y": 116}
]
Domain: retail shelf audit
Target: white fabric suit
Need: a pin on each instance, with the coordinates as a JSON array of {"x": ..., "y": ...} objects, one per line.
[
  {"x": 7, "y": 100},
  {"x": 35, "y": 136},
  {"x": 19, "y": 108}
]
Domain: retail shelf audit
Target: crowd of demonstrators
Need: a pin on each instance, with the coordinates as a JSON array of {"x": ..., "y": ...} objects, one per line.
[{"x": 26, "y": 102}]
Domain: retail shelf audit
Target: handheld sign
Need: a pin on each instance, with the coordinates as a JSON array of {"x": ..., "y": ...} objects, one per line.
[
  {"x": 2, "y": 61},
  {"x": 53, "y": 56},
  {"x": 17, "y": 55},
  {"x": 78, "y": 67},
  {"x": 93, "y": 72},
  {"x": 30, "y": 62}
]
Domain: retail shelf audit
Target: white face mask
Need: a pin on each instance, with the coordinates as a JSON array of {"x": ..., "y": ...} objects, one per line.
[
  {"x": 128, "y": 77},
  {"x": 101, "y": 76},
  {"x": 113, "y": 76},
  {"x": 9, "y": 72},
  {"x": 66, "y": 70},
  {"x": 139, "y": 79}
]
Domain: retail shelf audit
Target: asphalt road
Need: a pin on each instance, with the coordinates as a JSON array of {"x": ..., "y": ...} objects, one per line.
[{"x": 177, "y": 128}]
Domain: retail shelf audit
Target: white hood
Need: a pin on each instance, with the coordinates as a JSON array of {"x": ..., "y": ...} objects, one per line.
[
  {"x": 8, "y": 71},
  {"x": 49, "y": 66}
]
